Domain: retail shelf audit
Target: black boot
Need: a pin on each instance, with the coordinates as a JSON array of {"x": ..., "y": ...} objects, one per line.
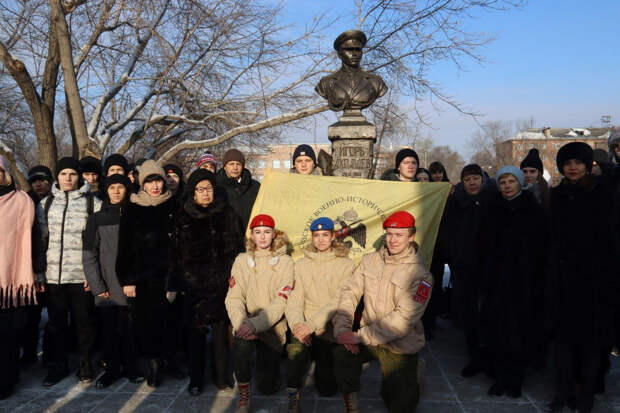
[
  {"x": 497, "y": 389},
  {"x": 85, "y": 373},
  {"x": 153, "y": 377},
  {"x": 133, "y": 375},
  {"x": 109, "y": 377},
  {"x": 472, "y": 368},
  {"x": 56, "y": 373}
]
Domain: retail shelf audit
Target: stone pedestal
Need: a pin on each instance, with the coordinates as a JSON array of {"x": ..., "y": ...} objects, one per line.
[{"x": 352, "y": 139}]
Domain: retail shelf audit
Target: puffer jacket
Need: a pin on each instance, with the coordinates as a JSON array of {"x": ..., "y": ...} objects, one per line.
[
  {"x": 319, "y": 278},
  {"x": 62, "y": 228},
  {"x": 396, "y": 290},
  {"x": 259, "y": 287}
]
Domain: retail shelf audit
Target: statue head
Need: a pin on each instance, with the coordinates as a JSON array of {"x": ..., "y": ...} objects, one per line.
[{"x": 349, "y": 46}]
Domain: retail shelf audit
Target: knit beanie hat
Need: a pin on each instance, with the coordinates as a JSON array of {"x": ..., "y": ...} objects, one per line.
[
  {"x": 233, "y": 155},
  {"x": 116, "y": 179},
  {"x": 4, "y": 165},
  {"x": 174, "y": 169},
  {"x": 514, "y": 171},
  {"x": 148, "y": 168},
  {"x": 404, "y": 153},
  {"x": 471, "y": 169},
  {"x": 91, "y": 164},
  {"x": 575, "y": 150},
  {"x": 532, "y": 160},
  {"x": 115, "y": 159},
  {"x": 304, "y": 150},
  {"x": 68, "y": 162},
  {"x": 40, "y": 172},
  {"x": 206, "y": 157},
  {"x": 197, "y": 176}
]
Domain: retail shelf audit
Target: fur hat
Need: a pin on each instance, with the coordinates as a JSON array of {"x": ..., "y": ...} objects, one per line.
[
  {"x": 91, "y": 164},
  {"x": 115, "y": 159},
  {"x": 197, "y": 176},
  {"x": 575, "y": 150},
  {"x": 532, "y": 160}
]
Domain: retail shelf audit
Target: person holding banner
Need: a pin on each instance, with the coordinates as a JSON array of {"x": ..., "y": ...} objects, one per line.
[
  {"x": 406, "y": 167},
  {"x": 259, "y": 287},
  {"x": 395, "y": 286},
  {"x": 319, "y": 278}
]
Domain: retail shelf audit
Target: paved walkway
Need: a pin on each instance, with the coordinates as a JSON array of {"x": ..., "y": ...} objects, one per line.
[{"x": 445, "y": 391}]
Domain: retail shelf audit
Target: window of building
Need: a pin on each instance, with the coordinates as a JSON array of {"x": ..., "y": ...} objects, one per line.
[
  {"x": 276, "y": 164},
  {"x": 287, "y": 164},
  {"x": 261, "y": 163}
]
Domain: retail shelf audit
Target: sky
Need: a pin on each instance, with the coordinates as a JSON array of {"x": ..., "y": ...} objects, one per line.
[{"x": 557, "y": 62}]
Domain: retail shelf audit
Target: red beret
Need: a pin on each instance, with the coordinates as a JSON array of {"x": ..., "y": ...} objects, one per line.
[
  {"x": 399, "y": 219},
  {"x": 262, "y": 220}
]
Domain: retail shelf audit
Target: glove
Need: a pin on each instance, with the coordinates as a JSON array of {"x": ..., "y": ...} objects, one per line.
[{"x": 171, "y": 296}]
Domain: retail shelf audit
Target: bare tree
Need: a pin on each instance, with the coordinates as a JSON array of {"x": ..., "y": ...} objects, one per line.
[
  {"x": 182, "y": 75},
  {"x": 484, "y": 144}
]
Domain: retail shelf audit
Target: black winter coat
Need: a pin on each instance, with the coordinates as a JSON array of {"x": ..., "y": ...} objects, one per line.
[
  {"x": 144, "y": 236},
  {"x": 239, "y": 195},
  {"x": 515, "y": 244},
  {"x": 583, "y": 277},
  {"x": 461, "y": 242},
  {"x": 203, "y": 247}
]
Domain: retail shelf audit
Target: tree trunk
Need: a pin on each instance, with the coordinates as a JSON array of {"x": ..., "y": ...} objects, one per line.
[{"x": 71, "y": 87}]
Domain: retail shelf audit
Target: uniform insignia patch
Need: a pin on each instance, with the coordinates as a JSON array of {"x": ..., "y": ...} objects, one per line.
[
  {"x": 231, "y": 282},
  {"x": 285, "y": 292},
  {"x": 423, "y": 293}
]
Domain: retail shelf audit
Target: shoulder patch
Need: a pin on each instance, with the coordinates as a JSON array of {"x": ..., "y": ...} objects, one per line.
[
  {"x": 231, "y": 282},
  {"x": 285, "y": 291},
  {"x": 423, "y": 292}
]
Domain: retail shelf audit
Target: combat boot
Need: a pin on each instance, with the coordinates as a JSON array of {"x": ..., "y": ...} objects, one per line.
[
  {"x": 293, "y": 400},
  {"x": 243, "y": 403},
  {"x": 351, "y": 404}
]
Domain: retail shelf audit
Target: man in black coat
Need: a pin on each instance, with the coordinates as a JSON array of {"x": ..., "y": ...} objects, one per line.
[
  {"x": 465, "y": 211},
  {"x": 240, "y": 189},
  {"x": 582, "y": 286}
]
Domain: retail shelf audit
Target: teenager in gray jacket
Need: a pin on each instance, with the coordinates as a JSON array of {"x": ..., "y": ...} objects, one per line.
[{"x": 99, "y": 259}]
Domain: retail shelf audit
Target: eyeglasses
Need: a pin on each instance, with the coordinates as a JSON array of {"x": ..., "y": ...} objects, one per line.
[{"x": 202, "y": 190}]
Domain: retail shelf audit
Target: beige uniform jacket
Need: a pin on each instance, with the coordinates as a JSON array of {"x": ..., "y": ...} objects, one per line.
[
  {"x": 396, "y": 290},
  {"x": 319, "y": 278},
  {"x": 259, "y": 287}
]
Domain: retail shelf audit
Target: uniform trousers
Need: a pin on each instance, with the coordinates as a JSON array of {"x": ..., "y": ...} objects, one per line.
[
  {"x": 267, "y": 364},
  {"x": 399, "y": 383},
  {"x": 299, "y": 358}
]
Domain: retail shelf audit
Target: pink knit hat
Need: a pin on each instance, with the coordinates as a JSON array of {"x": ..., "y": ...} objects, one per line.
[{"x": 206, "y": 157}]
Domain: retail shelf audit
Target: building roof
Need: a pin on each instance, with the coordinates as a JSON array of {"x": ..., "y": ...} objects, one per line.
[{"x": 564, "y": 133}]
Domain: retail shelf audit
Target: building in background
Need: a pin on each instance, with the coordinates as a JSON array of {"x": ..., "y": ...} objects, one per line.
[{"x": 548, "y": 141}]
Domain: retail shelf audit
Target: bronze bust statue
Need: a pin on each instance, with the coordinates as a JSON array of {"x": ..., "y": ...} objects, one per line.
[{"x": 351, "y": 88}]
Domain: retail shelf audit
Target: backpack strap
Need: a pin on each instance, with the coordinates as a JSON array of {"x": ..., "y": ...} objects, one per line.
[
  {"x": 90, "y": 203},
  {"x": 48, "y": 203}
]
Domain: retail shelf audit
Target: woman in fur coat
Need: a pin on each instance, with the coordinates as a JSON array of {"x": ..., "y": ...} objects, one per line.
[{"x": 206, "y": 238}]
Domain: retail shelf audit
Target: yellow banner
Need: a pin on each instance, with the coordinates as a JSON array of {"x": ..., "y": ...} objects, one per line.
[{"x": 358, "y": 207}]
